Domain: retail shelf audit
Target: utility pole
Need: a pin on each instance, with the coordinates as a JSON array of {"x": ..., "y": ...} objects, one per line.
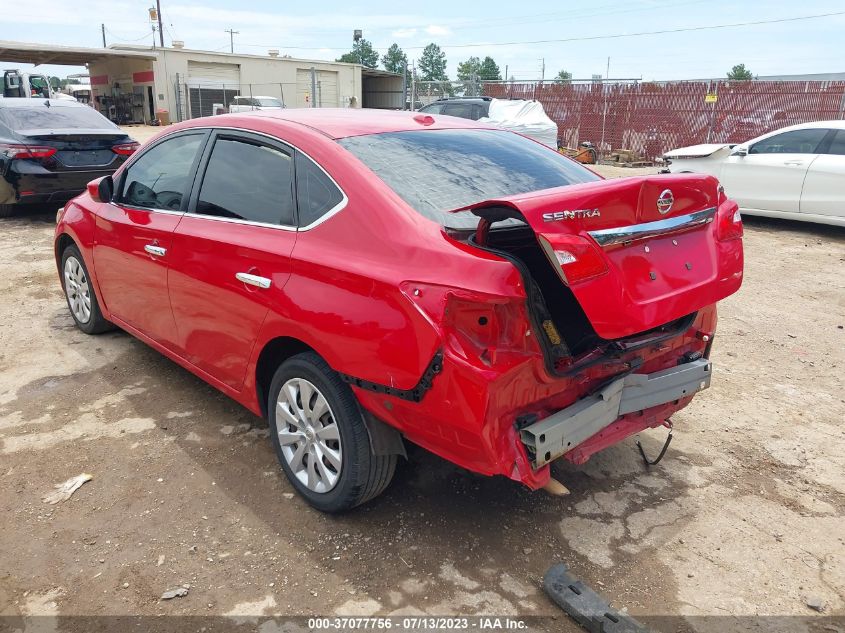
[
  {"x": 231, "y": 39},
  {"x": 160, "y": 30},
  {"x": 103, "y": 30}
]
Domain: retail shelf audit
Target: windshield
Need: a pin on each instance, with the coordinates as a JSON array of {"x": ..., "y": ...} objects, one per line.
[
  {"x": 40, "y": 117},
  {"x": 435, "y": 171},
  {"x": 268, "y": 103}
]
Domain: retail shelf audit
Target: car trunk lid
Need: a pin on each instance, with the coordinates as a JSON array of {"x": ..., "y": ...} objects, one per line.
[
  {"x": 78, "y": 148},
  {"x": 637, "y": 252}
]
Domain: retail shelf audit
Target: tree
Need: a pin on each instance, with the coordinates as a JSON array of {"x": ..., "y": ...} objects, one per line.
[
  {"x": 433, "y": 64},
  {"x": 469, "y": 69},
  {"x": 740, "y": 73},
  {"x": 489, "y": 70},
  {"x": 395, "y": 60},
  {"x": 362, "y": 53},
  {"x": 563, "y": 77}
]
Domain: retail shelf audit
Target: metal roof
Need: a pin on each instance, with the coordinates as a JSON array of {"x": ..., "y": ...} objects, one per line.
[{"x": 31, "y": 53}]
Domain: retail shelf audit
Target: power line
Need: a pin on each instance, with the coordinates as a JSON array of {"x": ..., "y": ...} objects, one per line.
[
  {"x": 579, "y": 39},
  {"x": 641, "y": 33}
]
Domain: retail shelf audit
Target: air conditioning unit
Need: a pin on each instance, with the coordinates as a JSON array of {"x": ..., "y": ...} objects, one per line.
[
  {"x": 273, "y": 52},
  {"x": 177, "y": 44}
]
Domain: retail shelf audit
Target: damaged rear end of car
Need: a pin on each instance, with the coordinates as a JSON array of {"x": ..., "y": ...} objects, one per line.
[
  {"x": 621, "y": 279},
  {"x": 604, "y": 329}
]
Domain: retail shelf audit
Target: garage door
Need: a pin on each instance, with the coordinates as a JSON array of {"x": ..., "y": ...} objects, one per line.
[
  {"x": 327, "y": 92},
  {"x": 327, "y": 89},
  {"x": 210, "y": 83}
]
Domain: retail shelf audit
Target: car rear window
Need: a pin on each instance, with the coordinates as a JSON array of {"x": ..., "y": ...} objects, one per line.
[
  {"x": 41, "y": 117},
  {"x": 268, "y": 103},
  {"x": 435, "y": 171}
]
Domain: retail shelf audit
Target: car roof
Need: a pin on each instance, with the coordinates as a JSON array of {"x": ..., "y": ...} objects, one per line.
[
  {"x": 35, "y": 102},
  {"x": 343, "y": 122},
  {"x": 814, "y": 124}
]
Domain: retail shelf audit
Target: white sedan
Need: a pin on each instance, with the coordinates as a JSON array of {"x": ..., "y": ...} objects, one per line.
[{"x": 797, "y": 172}]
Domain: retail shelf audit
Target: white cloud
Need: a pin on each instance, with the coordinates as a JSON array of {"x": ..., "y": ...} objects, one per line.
[
  {"x": 404, "y": 33},
  {"x": 436, "y": 29}
]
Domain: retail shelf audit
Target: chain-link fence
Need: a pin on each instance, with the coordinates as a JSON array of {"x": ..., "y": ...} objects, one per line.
[{"x": 649, "y": 119}]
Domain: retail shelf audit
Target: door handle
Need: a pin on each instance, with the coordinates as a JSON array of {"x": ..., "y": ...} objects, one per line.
[
  {"x": 793, "y": 162},
  {"x": 253, "y": 280},
  {"x": 158, "y": 251}
]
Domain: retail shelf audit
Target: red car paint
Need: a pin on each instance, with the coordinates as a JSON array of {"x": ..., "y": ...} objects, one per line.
[{"x": 378, "y": 291}]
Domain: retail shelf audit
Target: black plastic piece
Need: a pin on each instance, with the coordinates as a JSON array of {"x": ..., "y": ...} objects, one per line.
[
  {"x": 415, "y": 394},
  {"x": 655, "y": 461},
  {"x": 584, "y": 605}
]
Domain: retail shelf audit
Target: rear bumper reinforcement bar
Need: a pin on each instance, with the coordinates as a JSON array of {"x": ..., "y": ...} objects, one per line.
[{"x": 559, "y": 433}]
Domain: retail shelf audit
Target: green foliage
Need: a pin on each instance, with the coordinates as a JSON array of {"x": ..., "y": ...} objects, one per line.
[
  {"x": 362, "y": 53},
  {"x": 395, "y": 60},
  {"x": 469, "y": 69},
  {"x": 489, "y": 70},
  {"x": 474, "y": 68},
  {"x": 563, "y": 77},
  {"x": 433, "y": 64},
  {"x": 740, "y": 73}
]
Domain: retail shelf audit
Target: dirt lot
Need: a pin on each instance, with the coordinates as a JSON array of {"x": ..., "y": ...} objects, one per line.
[{"x": 743, "y": 517}]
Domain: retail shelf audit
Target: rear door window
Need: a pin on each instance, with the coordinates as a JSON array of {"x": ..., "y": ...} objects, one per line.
[
  {"x": 159, "y": 177},
  {"x": 837, "y": 145},
  {"x": 462, "y": 110},
  {"x": 247, "y": 180},
  {"x": 316, "y": 193},
  {"x": 794, "y": 142}
]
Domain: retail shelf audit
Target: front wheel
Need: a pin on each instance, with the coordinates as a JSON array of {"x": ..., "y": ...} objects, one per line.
[{"x": 320, "y": 437}]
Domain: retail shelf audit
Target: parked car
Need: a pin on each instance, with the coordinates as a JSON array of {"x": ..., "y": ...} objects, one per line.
[
  {"x": 797, "y": 172},
  {"x": 361, "y": 276},
  {"x": 518, "y": 115},
  {"x": 50, "y": 149},
  {"x": 247, "y": 104}
]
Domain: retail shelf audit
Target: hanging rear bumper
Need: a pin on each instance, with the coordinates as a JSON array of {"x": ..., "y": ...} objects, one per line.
[{"x": 561, "y": 432}]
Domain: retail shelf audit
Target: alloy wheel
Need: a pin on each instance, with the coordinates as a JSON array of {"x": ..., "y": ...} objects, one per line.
[
  {"x": 308, "y": 435},
  {"x": 77, "y": 289}
]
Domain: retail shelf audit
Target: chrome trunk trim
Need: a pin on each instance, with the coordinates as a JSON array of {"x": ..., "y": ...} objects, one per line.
[{"x": 624, "y": 234}]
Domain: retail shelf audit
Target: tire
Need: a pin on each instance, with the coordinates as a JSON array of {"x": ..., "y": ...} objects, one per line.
[
  {"x": 332, "y": 475},
  {"x": 80, "y": 295},
  {"x": 7, "y": 210}
]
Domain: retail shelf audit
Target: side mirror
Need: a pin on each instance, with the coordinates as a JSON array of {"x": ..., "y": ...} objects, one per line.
[
  {"x": 741, "y": 151},
  {"x": 102, "y": 189}
]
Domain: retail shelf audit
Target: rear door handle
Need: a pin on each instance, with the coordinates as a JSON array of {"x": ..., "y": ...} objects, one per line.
[
  {"x": 793, "y": 162},
  {"x": 253, "y": 280},
  {"x": 158, "y": 251}
]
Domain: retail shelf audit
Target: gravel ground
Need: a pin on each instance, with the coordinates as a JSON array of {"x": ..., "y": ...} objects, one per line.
[{"x": 744, "y": 517}]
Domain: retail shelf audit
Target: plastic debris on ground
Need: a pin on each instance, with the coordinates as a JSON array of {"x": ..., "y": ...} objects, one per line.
[{"x": 64, "y": 490}]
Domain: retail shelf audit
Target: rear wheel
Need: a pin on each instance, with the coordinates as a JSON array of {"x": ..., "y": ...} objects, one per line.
[
  {"x": 320, "y": 436},
  {"x": 80, "y": 295}
]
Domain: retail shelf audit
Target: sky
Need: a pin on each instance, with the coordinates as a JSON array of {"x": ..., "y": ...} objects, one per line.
[{"x": 503, "y": 30}]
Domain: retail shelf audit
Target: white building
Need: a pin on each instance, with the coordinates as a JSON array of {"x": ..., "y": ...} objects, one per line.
[{"x": 139, "y": 84}]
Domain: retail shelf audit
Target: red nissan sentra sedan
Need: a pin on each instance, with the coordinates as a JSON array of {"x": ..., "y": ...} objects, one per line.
[{"x": 359, "y": 277}]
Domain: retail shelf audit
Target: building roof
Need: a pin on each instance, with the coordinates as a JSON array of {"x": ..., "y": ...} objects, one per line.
[
  {"x": 227, "y": 55},
  {"x": 32, "y": 53},
  {"x": 344, "y": 122}
]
